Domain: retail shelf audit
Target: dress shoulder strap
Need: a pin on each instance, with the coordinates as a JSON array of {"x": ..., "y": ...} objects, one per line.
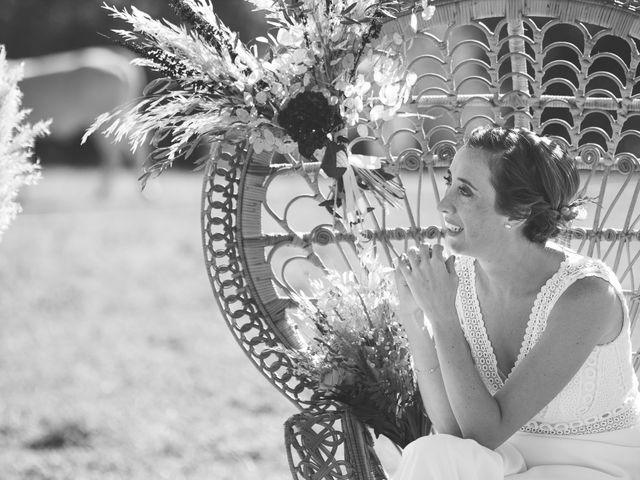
[
  {"x": 573, "y": 268},
  {"x": 471, "y": 322}
]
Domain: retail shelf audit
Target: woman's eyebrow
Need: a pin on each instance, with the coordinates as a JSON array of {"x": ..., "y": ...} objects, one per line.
[{"x": 464, "y": 180}]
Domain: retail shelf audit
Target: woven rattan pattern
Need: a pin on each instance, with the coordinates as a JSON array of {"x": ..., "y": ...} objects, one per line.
[
  {"x": 315, "y": 442},
  {"x": 567, "y": 68},
  {"x": 251, "y": 328},
  {"x": 240, "y": 256}
]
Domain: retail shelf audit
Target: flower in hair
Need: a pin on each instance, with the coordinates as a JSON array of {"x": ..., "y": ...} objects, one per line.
[
  {"x": 573, "y": 211},
  {"x": 567, "y": 213}
]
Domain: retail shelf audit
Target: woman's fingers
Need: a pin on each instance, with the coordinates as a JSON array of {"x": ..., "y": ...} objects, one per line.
[
  {"x": 428, "y": 259},
  {"x": 425, "y": 252},
  {"x": 436, "y": 252},
  {"x": 427, "y": 280},
  {"x": 399, "y": 272},
  {"x": 403, "y": 269},
  {"x": 450, "y": 263},
  {"x": 414, "y": 258}
]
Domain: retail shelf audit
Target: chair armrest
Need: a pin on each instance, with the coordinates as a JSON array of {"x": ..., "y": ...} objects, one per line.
[{"x": 331, "y": 445}]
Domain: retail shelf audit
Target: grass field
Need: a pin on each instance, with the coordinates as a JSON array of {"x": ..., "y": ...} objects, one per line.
[{"x": 114, "y": 361}]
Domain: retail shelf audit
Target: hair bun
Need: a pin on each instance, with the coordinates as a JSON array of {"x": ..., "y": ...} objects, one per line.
[{"x": 534, "y": 177}]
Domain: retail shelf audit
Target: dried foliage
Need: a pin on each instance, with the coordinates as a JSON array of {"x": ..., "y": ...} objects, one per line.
[
  {"x": 358, "y": 354},
  {"x": 325, "y": 58},
  {"x": 16, "y": 143}
]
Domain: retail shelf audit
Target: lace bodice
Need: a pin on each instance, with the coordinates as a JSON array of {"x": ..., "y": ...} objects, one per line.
[{"x": 602, "y": 396}]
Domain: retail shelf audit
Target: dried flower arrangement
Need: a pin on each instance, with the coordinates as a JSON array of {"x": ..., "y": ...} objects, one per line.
[
  {"x": 319, "y": 73},
  {"x": 357, "y": 353}
]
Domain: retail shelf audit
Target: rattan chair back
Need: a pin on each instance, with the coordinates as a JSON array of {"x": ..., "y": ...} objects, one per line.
[{"x": 566, "y": 68}]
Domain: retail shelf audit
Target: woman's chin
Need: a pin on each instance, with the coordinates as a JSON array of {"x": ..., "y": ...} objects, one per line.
[{"x": 453, "y": 244}]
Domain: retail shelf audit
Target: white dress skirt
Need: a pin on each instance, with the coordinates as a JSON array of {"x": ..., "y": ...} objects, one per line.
[
  {"x": 589, "y": 431},
  {"x": 525, "y": 456}
]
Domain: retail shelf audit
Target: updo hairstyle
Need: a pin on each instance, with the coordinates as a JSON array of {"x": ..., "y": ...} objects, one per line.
[{"x": 534, "y": 178}]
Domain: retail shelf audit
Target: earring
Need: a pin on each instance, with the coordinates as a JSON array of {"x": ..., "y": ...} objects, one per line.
[{"x": 508, "y": 226}]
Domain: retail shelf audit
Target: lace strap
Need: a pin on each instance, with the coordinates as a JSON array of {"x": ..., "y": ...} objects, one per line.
[
  {"x": 470, "y": 317},
  {"x": 569, "y": 272}
]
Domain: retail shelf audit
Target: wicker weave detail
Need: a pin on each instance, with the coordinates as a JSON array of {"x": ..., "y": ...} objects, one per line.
[
  {"x": 476, "y": 65},
  {"x": 566, "y": 68},
  {"x": 250, "y": 325},
  {"x": 331, "y": 445}
]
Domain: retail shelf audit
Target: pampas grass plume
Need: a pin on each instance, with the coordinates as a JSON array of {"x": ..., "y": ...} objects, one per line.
[{"x": 17, "y": 139}]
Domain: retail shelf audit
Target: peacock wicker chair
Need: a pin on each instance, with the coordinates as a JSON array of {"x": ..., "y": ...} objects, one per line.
[{"x": 566, "y": 68}]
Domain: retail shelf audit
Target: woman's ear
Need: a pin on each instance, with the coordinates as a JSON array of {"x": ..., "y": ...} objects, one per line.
[
  {"x": 522, "y": 216},
  {"x": 513, "y": 223}
]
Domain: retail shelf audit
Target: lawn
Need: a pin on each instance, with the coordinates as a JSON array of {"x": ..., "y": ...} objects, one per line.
[
  {"x": 114, "y": 360},
  {"x": 115, "y": 363}
]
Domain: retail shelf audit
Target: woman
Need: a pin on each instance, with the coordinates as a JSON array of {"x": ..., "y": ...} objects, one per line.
[{"x": 521, "y": 347}]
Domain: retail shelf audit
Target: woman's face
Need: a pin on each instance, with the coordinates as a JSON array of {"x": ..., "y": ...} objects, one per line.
[{"x": 473, "y": 227}]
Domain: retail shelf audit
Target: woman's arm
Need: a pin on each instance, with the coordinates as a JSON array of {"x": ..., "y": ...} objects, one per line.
[
  {"x": 583, "y": 315},
  {"x": 429, "y": 376}
]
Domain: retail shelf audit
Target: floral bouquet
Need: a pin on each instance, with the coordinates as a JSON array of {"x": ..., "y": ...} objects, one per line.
[
  {"x": 298, "y": 89},
  {"x": 16, "y": 143},
  {"x": 357, "y": 353}
]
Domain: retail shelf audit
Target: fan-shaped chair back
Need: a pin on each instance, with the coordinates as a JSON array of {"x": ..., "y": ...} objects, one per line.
[{"x": 568, "y": 68}]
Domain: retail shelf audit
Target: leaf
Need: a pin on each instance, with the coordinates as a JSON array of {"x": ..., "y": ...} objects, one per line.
[
  {"x": 363, "y": 130},
  {"x": 388, "y": 13},
  {"x": 349, "y": 21},
  {"x": 349, "y": 8},
  {"x": 277, "y": 23},
  {"x": 414, "y": 22},
  {"x": 262, "y": 39},
  {"x": 273, "y": 39}
]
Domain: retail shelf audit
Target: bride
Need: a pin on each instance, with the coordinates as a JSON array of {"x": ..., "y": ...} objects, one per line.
[{"x": 521, "y": 347}]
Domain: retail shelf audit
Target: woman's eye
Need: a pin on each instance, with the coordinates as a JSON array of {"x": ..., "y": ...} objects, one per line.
[
  {"x": 462, "y": 189},
  {"x": 465, "y": 191}
]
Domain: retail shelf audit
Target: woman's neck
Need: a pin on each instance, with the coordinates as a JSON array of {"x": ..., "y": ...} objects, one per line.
[{"x": 518, "y": 268}]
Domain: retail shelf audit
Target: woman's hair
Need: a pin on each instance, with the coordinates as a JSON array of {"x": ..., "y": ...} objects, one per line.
[{"x": 534, "y": 178}]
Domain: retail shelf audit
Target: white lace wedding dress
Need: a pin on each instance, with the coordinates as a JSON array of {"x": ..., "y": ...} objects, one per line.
[{"x": 589, "y": 431}]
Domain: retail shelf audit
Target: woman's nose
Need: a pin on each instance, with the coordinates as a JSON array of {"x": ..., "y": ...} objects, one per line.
[{"x": 445, "y": 205}]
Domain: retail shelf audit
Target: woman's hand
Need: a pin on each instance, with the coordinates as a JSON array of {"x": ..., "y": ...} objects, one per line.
[
  {"x": 423, "y": 350},
  {"x": 406, "y": 303},
  {"x": 432, "y": 281}
]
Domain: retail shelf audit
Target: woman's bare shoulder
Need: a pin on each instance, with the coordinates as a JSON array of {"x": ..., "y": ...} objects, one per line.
[{"x": 593, "y": 303}]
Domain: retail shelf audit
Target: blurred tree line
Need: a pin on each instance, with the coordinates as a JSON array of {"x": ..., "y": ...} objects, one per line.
[{"x": 36, "y": 27}]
